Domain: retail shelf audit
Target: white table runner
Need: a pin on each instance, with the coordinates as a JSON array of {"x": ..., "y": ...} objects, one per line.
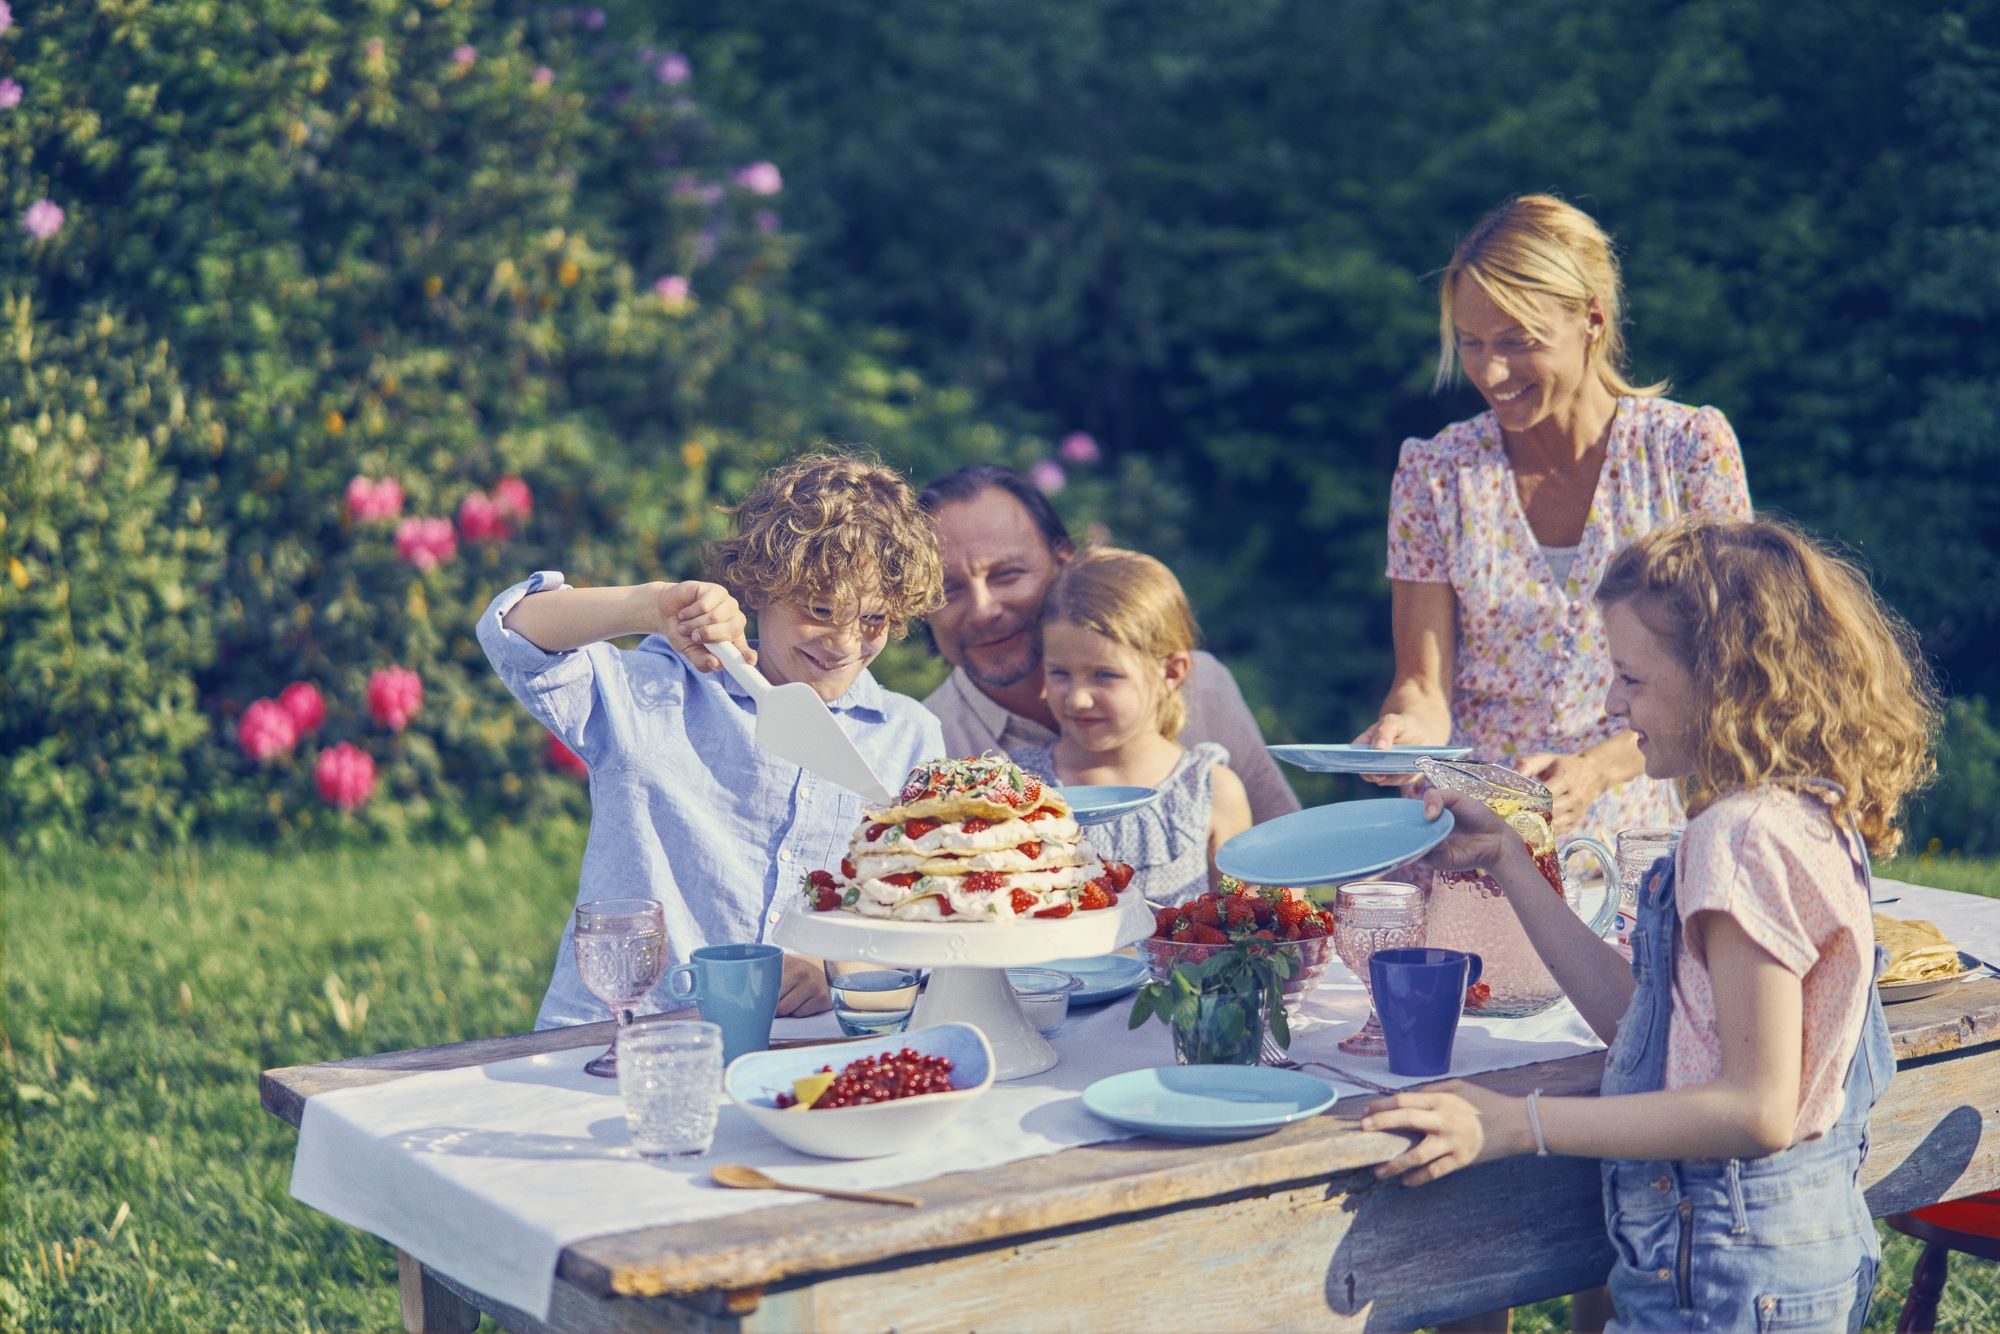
[{"x": 486, "y": 1173}]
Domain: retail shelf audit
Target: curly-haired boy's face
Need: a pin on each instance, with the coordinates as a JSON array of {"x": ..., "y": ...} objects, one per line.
[
  {"x": 1652, "y": 692},
  {"x": 823, "y": 645}
]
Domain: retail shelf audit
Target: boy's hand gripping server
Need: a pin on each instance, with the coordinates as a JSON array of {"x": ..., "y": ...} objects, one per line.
[{"x": 794, "y": 724}]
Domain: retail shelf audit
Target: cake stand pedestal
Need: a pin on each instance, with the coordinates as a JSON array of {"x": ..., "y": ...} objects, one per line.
[{"x": 968, "y": 981}]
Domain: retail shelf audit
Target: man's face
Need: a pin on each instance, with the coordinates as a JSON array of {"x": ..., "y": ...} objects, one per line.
[{"x": 997, "y": 570}]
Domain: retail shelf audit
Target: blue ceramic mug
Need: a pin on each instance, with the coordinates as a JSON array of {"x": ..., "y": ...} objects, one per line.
[
  {"x": 1419, "y": 994},
  {"x": 736, "y": 988}
]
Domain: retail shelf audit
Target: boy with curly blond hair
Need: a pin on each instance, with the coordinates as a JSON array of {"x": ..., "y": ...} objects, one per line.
[{"x": 833, "y": 557}]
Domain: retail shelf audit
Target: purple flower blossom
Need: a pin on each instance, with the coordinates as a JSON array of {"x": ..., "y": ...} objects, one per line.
[
  {"x": 672, "y": 289},
  {"x": 1079, "y": 447},
  {"x": 765, "y": 220},
  {"x": 10, "y": 94},
  {"x": 760, "y": 178},
  {"x": 672, "y": 69},
  {"x": 43, "y": 218},
  {"x": 6, "y": 16},
  {"x": 464, "y": 56},
  {"x": 543, "y": 76},
  {"x": 1048, "y": 476},
  {"x": 593, "y": 19}
]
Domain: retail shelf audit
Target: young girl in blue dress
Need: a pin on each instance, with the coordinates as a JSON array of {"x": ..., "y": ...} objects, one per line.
[
  {"x": 1118, "y": 641},
  {"x": 1747, "y": 1042}
]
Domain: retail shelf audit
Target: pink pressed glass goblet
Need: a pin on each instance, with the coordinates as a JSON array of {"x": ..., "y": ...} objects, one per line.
[
  {"x": 1372, "y": 915},
  {"x": 621, "y": 950}
]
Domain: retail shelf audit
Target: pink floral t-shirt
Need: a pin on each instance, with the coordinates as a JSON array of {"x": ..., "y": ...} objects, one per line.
[
  {"x": 1532, "y": 667},
  {"x": 1773, "y": 859}
]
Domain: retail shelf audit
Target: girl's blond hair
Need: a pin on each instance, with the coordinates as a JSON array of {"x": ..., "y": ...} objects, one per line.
[
  {"x": 1135, "y": 602},
  {"x": 1532, "y": 251},
  {"x": 1799, "y": 671},
  {"x": 832, "y": 528}
]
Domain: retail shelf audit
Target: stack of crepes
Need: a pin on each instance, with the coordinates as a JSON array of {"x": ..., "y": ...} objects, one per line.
[
  {"x": 1918, "y": 951},
  {"x": 970, "y": 840}
]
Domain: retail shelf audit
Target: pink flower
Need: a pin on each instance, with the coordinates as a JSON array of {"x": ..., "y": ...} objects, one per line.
[
  {"x": 395, "y": 694},
  {"x": 1079, "y": 447},
  {"x": 765, "y": 220},
  {"x": 43, "y": 218},
  {"x": 760, "y": 178},
  {"x": 479, "y": 519},
  {"x": 543, "y": 76},
  {"x": 266, "y": 730},
  {"x": 369, "y": 501},
  {"x": 346, "y": 776},
  {"x": 6, "y": 16},
  {"x": 374, "y": 48},
  {"x": 593, "y": 19},
  {"x": 512, "y": 498},
  {"x": 564, "y": 760},
  {"x": 425, "y": 543},
  {"x": 304, "y": 705},
  {"x": 672, "y": 289},
  {"x": 1048, "y": 475},
  {"x": 672, "y": 69},
  {"x": 464, "y": 56},
  {"x": 10, "y": 94}
]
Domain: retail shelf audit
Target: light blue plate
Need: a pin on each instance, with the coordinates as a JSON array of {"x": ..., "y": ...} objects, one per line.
[
  {"x": 1106, "y": 977},
  {"x": 1329, "y": 843},
  {"x": 1094, "y": 804},
  {"x": 1208, "y": 1102},
  {"x": 1352, "y": 759}
]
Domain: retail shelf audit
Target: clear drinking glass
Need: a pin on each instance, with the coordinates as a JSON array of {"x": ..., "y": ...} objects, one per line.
[
  {"x": 870, "y": 999},
  {"x": 621, "y": 950},
  {"x": 1638, "y": 849},
  {"x": 1371, "y": 915},
  {"x": 670, "y": 1075}
]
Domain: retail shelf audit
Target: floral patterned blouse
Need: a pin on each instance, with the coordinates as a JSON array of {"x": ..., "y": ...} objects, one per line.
[{"x": 1532, "y": 667}]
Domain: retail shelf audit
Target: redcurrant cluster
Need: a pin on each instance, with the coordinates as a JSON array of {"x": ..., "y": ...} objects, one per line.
[{"x": 900, "y": 1074}]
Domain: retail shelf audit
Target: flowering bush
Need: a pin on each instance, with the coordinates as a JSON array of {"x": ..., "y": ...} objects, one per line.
[{"x": 437, "y": 297}]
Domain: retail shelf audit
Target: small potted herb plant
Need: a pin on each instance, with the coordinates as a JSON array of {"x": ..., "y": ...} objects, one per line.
[{"x": 1217, "y": 1007}]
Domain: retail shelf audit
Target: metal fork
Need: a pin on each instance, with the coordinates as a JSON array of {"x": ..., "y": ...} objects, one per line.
[{"x": 1286, "y": 1063}]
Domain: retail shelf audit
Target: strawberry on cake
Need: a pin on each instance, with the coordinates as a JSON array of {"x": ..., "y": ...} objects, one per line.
[{"x": 973, "y": 840}]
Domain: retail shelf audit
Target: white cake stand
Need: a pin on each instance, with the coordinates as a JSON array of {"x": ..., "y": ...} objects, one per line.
[{"x": 968, "y": 982}]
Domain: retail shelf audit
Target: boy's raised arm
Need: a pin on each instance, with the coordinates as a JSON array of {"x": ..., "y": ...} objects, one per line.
[{"x": 690, "y": 614}]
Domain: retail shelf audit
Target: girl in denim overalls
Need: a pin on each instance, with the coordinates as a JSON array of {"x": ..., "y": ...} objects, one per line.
[{"x": 1747, "y": 1044}]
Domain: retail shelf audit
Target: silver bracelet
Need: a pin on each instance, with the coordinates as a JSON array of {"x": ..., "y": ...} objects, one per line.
[{"x": 1535, "y": 1124}]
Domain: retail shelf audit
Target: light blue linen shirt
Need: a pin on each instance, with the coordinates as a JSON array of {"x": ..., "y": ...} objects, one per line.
[{"x": 684, "y": 806}]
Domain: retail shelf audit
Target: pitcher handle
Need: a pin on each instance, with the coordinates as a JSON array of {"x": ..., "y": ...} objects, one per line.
[{"x": 1608, "y": 910}]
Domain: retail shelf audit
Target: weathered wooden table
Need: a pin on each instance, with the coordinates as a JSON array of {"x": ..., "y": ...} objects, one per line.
[{"x": 1280, "y": 1232}]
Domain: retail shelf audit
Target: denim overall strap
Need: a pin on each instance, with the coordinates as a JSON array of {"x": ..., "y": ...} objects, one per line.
[{"x": 1778, "y": 1242}]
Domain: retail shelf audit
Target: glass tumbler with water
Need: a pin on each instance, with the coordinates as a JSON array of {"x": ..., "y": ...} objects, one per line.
[
  {"x": 870, "y": 999},
  {"x": 621, "y": 950},
  {"x": 1638, "y": 849},
  {"x": 670, "y": 1076}
]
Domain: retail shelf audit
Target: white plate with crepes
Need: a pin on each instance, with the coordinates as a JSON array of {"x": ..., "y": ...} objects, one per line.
[
  {"x": 839, "y": 934},
  {"x": 1918, "y": 988}
]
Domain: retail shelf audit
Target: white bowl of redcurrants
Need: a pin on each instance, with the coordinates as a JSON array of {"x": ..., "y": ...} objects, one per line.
[{"x": 863, "y": 1099}]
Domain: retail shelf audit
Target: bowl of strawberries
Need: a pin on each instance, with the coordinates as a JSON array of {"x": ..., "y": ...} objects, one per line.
[{"x": 1190, "y": 932}]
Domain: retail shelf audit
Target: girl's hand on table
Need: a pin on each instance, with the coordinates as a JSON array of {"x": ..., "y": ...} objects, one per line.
[
  {"x": 1461, "y": 1124},
  {"x": 1395, "y": 729},
  {"x": 694, "y": 614},
  {"x": 802, "y": 987},
  {"x": 1573, "y": 780}
]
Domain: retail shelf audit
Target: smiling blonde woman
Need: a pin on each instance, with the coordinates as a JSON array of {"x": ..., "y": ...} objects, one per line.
[{"x": 1500, "y": 526}]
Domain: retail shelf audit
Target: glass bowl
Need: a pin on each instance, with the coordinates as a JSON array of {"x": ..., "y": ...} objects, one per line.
[
  {"x": 1044, "y": 995},
  {"x": 1313, "y": 953}
]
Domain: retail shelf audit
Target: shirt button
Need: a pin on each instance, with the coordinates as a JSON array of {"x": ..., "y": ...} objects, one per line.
[
  {"x": 771, "y": 916},
  {"x": 1665, "y": 1274},
  {"x": 784, "y": 854}
]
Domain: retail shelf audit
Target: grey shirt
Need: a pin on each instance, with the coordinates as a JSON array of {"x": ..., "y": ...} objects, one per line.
[{"x": 974, "y": 723}]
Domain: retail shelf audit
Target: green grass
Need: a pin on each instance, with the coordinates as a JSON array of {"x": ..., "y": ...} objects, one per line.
[{"x": 144, "y": 995}]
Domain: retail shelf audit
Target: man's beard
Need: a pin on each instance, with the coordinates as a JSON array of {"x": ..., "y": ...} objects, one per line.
[{"x": 1003, "y": 680}]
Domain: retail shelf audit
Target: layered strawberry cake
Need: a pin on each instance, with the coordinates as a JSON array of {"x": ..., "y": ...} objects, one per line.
[{"x": 970, "y": 840}]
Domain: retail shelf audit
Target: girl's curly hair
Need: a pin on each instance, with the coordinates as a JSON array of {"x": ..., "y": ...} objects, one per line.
[
  {"x": 833, "y": 528},
  {"x": 1799, "y": 671}
]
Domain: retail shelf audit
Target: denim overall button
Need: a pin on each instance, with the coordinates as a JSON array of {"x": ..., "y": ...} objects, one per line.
[
  {"x": 1664, "y": 1184},
  {"x": 1666, "y": 1274}
]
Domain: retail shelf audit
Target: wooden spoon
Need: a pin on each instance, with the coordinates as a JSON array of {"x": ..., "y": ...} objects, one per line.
[{"x": 737, "y": 1176}]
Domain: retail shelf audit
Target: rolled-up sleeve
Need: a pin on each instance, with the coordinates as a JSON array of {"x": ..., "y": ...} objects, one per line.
[{"x": 564, "y": 691}]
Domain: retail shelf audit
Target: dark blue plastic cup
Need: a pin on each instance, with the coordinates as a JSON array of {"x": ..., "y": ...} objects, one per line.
[{"x": 1419, "y": 994}]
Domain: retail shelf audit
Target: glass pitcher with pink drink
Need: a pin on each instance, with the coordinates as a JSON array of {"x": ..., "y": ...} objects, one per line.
[{"x": 1469, "y": 912}]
